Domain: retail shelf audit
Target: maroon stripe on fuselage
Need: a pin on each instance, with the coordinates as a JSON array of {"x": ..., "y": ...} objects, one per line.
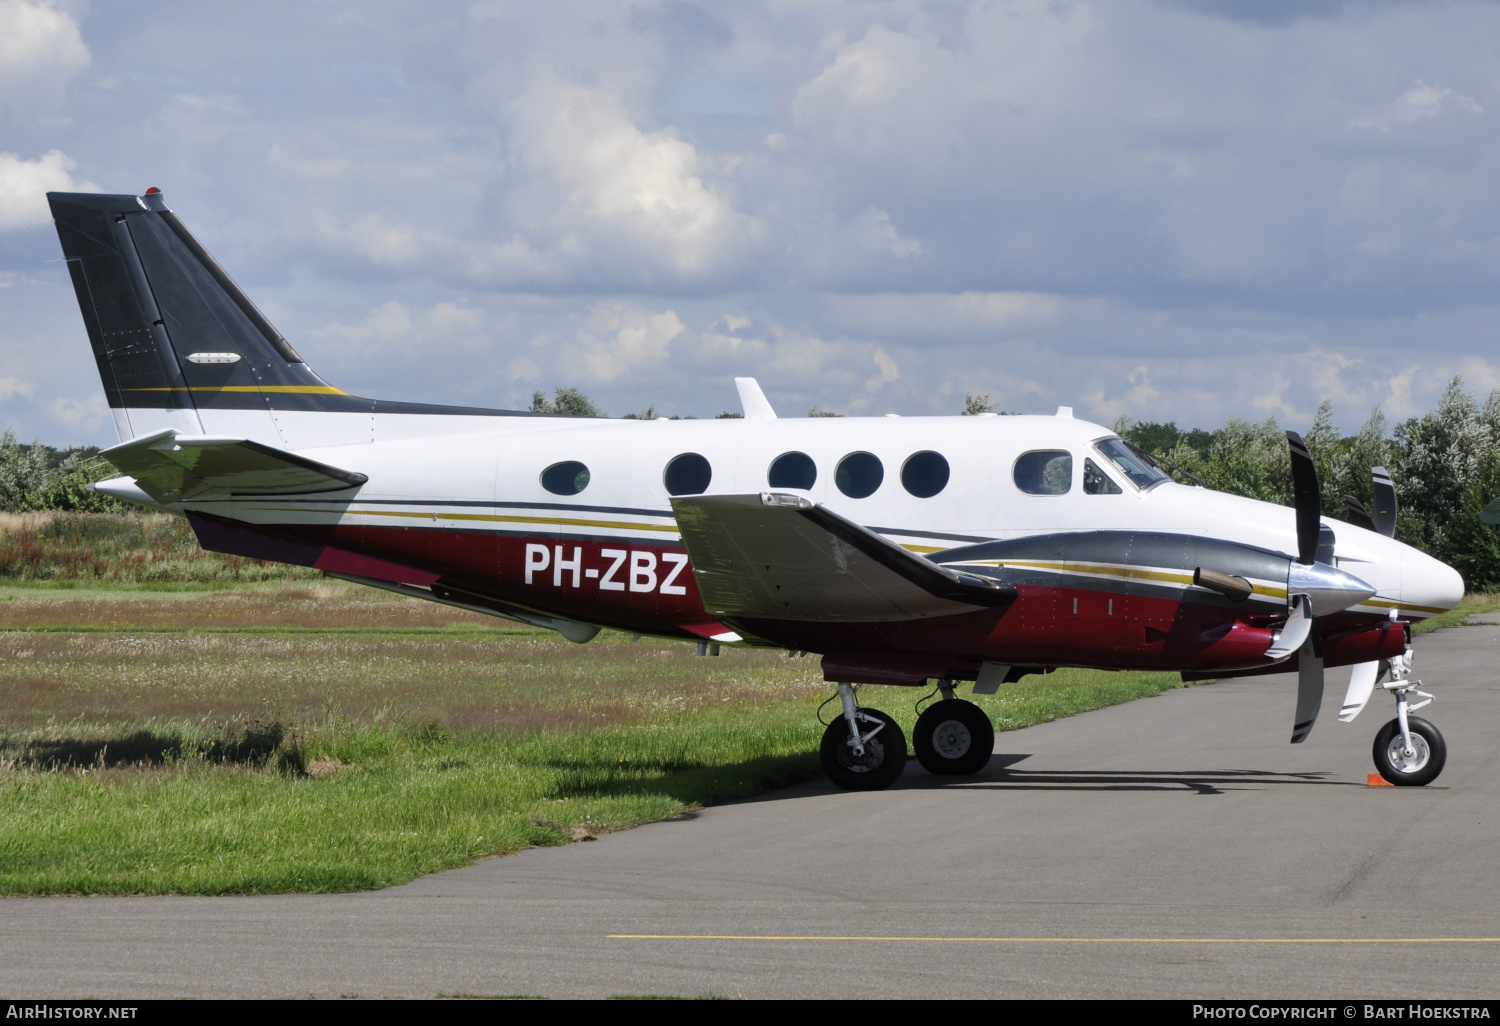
[
  {"x": 644, "y": 586},
  {"x": 648, "y": 586}
]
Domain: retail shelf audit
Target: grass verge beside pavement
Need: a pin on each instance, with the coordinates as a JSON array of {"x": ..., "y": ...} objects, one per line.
[
  {"x": 281, "y": 744},
  {"x": 1472, "y": 604}
]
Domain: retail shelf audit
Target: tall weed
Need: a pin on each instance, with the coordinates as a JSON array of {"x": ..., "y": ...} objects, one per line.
[{"x": 123, "y": 548}]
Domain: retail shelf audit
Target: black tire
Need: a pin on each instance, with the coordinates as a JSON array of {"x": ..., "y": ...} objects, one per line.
[
  {"x": 878, "y": 768},
  {"x": 1429, "y": 764},
  {"x": 953, "y": 738}
]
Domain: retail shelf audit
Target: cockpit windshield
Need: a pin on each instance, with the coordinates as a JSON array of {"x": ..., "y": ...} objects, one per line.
[{"x": 1139, "y": 470}]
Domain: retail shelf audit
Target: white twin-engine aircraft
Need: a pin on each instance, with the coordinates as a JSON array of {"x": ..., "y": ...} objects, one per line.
[{"x": 903, "y": 550}]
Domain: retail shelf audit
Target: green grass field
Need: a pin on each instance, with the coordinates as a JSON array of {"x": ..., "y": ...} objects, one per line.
[{"x": 315, "y": 736}]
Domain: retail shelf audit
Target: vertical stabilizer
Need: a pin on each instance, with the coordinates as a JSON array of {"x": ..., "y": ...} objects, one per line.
[{"x": 178, "y": 344}]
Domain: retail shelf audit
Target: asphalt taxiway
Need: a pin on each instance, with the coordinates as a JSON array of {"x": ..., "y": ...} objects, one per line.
[{"x": 1171, "y": 847}]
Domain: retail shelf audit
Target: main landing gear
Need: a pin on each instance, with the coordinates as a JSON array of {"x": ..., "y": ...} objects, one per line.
[
  {"x": 1409, "y": 751},
  {"x": 865, "y": 750},
  {"x": 953, "y": 738}
]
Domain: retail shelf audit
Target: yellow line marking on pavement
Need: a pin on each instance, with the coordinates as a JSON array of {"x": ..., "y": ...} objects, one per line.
[{"x": 1064, "y": 940}]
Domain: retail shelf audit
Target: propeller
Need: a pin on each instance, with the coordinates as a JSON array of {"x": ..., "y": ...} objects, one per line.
[
  {"x": 1358, "y": 515},
  {"x": 1306, "y": 499},
  {"x": 1309, "y": 688},
  {"x": 1362, "y": 681},
  {"x": 1314, "y": 587},
  {"x": 1384, "y": 493},
  {"x": 1383, "y": 520}
]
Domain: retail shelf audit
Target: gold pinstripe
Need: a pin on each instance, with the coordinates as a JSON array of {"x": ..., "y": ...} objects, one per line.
[
  {"x": 618, "y": 525},
  {"x": 1093, "y": 569},
  {"x": 279, "y": 389},
  {"x": 1268, "y": 590}
]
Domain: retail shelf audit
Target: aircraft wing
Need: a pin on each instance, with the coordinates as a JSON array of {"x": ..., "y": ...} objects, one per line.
[
  {"x": 171, "y": 467},
  {"x": 783, "y": 557}
]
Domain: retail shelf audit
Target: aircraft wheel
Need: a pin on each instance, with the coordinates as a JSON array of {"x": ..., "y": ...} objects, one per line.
[
  {"x": 953, "y": 738},
  {"x": 1414, "y": 771},
  {"x": 882, "y": 762}
]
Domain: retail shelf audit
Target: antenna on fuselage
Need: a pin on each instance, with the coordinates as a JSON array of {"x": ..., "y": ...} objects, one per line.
[{"x": 753, "y": 401}]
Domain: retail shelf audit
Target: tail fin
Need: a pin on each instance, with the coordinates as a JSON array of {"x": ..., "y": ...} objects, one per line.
[{"x": 174, "y": 337}]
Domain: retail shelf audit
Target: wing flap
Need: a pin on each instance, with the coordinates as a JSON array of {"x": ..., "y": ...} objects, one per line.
[
  {"x": 173, "y": 467},
  {"x": 781, "y": 557}
]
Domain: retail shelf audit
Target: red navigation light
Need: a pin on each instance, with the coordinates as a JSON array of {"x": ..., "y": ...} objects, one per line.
[{"x": 152, "y": 190}]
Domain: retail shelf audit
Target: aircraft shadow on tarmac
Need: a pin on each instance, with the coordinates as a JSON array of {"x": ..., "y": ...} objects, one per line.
[{"x": 999, "y": 776}]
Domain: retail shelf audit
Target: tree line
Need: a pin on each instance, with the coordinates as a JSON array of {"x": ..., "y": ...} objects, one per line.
[{"x": 1445, "y": 465}]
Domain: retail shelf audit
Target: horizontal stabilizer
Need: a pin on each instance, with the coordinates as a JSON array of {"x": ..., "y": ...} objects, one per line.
[
  {"x": 781, "y": 557},
  {"x": 257, "y": 541},
  {"x": 172, "y": 467}
]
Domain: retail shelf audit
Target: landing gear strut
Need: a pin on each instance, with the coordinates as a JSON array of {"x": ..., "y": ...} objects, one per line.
[
  {"x": 1409, "y": 751},
  {"x": 864, "y": 749},
  {"x": 953, "y": 737}
]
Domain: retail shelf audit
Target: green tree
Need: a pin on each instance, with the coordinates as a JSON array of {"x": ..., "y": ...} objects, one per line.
[
  {"x": 1474, "y": 546},
  {"x": 568, "y": 401},
  {"x": 24, "y": 470},
  {"x": 1244, "y": 458},
  {"x": 974, "y": 404},
  {"x": 1358, "y": 454},
  {"x": 1439, "y": 456}
]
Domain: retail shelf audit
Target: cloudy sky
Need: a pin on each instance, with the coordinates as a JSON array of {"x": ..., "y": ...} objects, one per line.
[{"x": 1173, "y": 209}]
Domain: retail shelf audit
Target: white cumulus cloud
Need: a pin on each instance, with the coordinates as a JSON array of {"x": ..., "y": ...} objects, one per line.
[
  {"x": 618, "y": 338},
  {"x": 592, "y": 184},
  {"x": 81, "y": 416},
  {"x": 1420, "y": 102},
  {"x": 24, "y": 185},
  {"x": 40, "y": 50}
]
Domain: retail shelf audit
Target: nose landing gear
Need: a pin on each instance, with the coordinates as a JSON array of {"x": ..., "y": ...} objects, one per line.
[{"x": 1409, "y": 751}]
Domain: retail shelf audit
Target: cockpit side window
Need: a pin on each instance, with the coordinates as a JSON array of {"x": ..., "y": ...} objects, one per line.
[
  {"x": 1096, "y": 481},
  {"x": 1044, "y": 472},
  {"x": 1136, "y": 469}
]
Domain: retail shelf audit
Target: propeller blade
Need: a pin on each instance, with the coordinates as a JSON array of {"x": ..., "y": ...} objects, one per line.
[
  {"x": 1306, "y": 497},
  {"x": 1384, "y": 513},
  {"x": 1295, "y": 632},
  {"x": 1309, "y": 691},
  {"x": 1361, "y": 686},
  {"x": 1358, "y": 515}
]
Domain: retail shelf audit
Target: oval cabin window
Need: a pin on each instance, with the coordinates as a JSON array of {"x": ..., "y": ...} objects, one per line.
[
  {"x": 859, "y": 474},
  {"x": 688, "y": 474},
  {"x": 924, "y": 474},
  {"x": 1045, "y": 472},
  {"x": 792, "y": 470},
  {"x": 568, "y": 478}
]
